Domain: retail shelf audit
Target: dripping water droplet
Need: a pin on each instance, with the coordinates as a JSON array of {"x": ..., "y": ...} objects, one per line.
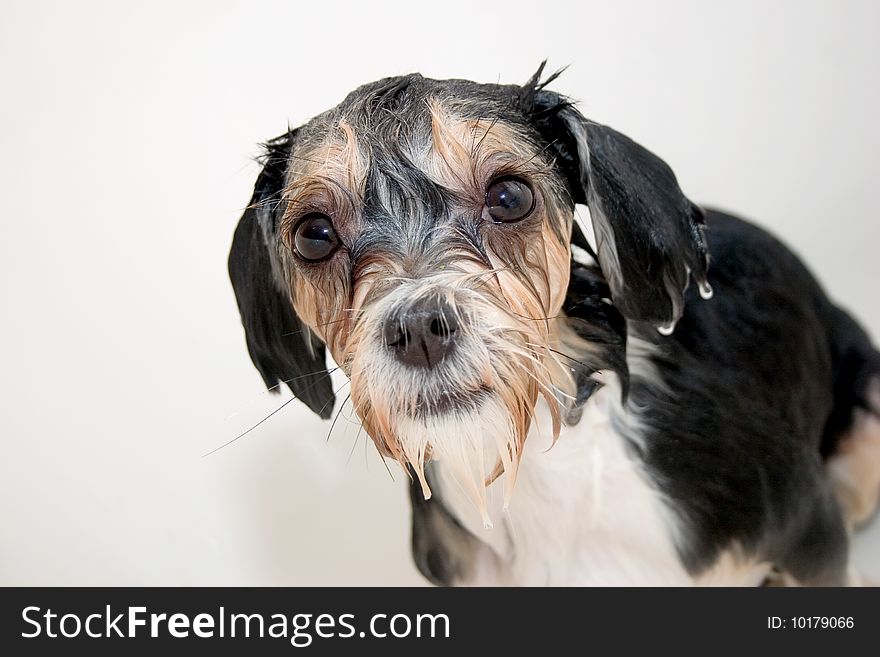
[
  {"x": 667, "y": 329},
  {"x": 705, "y": 290}
]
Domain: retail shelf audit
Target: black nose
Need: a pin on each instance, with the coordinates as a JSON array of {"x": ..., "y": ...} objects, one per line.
[{"x": 422, "y": 334}]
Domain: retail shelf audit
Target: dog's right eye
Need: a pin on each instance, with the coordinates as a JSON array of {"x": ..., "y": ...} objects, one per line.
[{"x": 314, "y": 238}]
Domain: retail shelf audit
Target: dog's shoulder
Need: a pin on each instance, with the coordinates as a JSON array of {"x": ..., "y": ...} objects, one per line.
[{"x": 734, "y": 430}]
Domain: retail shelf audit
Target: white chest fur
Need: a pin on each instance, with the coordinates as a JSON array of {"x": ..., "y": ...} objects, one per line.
[{"x": 582, "y": 513}]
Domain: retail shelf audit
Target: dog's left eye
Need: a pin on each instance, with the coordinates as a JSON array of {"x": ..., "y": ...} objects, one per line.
[
  {"x": 509, "y": 199},
  {"x": 314, "y": 238}
]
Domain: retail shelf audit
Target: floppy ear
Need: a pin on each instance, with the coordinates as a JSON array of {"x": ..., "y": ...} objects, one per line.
[
  {"x": 649, "y": 236},
  {"x": 280, "y": 345}
]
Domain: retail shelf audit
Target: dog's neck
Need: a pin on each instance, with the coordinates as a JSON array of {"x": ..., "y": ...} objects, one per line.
[
  {"x": 584, "y": 512},
  {"x": 579, "y": 509}
]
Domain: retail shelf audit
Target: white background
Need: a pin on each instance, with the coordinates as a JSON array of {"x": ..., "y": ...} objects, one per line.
[{"x": 126, "y": 132}]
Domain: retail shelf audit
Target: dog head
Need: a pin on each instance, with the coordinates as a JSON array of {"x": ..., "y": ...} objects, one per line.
[{"x": 422, "y": 231}]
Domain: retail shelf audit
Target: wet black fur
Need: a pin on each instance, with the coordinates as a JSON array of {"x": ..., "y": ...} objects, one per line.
[
  {"x": 277, "y": 341},
  {"x": 753, "y": 377}
]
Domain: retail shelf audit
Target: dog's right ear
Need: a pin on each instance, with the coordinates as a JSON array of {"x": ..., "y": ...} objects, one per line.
[{"x": 282, "y": 348}]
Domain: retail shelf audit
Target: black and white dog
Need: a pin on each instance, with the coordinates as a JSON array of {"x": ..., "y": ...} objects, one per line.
[{"x": 570, "y": 409}]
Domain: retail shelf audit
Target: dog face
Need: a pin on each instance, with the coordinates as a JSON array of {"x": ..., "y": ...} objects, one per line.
[{"x": 422, "y": 231}]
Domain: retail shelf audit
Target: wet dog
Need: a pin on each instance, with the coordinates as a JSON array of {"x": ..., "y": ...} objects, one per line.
[{"x": 590, "y": 379}]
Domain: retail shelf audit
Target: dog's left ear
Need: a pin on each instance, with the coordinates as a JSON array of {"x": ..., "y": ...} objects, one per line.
[
  {"x": 649, "y": 236},
  {"x": 280, "y": 345}
]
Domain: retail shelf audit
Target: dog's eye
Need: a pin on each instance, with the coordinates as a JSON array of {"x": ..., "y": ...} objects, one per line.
[
  {"x": 509, "y": 199},
  {"x": 314, "y": 238}
]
